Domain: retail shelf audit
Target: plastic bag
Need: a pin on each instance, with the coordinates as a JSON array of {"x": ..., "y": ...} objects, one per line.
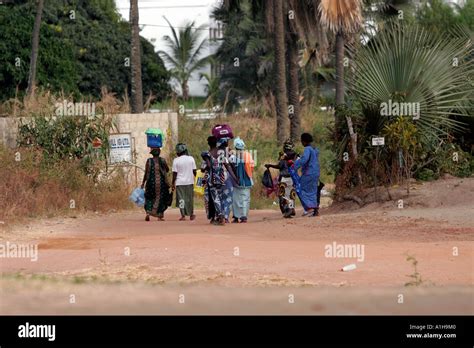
[
  {"x": 267, "y": 179},
  {"x": 199, "y": 183},
  {"x": 138, "y": 197}
]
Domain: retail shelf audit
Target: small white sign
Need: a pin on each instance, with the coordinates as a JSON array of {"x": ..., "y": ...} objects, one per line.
[
  {"x": 120, "y": 148},
  {"x": 378, "y": 141}
]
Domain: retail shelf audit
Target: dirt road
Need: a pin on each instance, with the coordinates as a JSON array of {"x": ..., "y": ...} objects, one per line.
[{"x": 120, "y": 263}]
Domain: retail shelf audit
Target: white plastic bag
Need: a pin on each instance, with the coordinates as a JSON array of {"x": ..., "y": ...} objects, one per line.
[{"x": 138, "y": 197}]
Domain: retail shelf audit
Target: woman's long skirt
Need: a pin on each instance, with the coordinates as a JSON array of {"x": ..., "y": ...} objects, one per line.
[
  {"x": 156, "y": 193},
  {"x": 185, "y": 199},
  {"x": 309, "y": 191},
  {"x": 226, "y": 198},
  {"x": 286, "y": 195},
  {"x": 241, "y": 202}
]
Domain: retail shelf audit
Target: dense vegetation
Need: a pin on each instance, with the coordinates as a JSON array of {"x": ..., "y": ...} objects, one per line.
[
  {"x": 83, "y": 47},
  {"x": 412, "y": 54}
]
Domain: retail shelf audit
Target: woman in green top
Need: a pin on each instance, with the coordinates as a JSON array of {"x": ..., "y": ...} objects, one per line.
[{"x": 155, "y": 183}]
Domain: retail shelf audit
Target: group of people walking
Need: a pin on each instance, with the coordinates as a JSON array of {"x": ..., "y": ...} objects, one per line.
[{"x": 227, "y": 177}]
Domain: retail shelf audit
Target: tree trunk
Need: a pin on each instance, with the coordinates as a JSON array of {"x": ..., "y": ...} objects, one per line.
[
  {"x": 294, "y": 89},
  {"x": 340, "y": 94},
  {"x": 136, "y": 65},
  {"x": 339, "y": 69},
  {"x": 34, "y": 49},
  {"x": 280, "y": 73},
  {"x": 184, "y": 89}
]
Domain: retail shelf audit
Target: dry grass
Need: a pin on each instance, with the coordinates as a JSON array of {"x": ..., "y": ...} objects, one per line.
[
  {"x": 43, "y": 104},
  {"x": 30, "y": 188}
]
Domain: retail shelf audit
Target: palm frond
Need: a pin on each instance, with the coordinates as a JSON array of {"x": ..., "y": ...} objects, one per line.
[
  {"x": 405, "y": 63},
  {"x": 341, "y": 15}
]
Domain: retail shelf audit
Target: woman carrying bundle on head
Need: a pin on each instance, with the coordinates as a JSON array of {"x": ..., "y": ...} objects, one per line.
[
  {"x": 217, "y": 169},
  {"x": 155, "y": 183}
]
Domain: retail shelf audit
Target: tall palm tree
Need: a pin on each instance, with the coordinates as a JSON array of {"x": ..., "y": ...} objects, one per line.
[
  {"x": 342, "y": 17},
  {"x": 293, "y": 86},
  {"x": 34, "y": 49},
  {"x": 185, "y": 51},
  {"x": 136, "y": 65},
  {"x": 292, "y": 57},
  {"x": 303, "y": 28},
  {"x": 280, "y": 71}
]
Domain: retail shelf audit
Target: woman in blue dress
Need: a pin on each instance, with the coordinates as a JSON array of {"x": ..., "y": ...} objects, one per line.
[{"x": 309, "y": 180}]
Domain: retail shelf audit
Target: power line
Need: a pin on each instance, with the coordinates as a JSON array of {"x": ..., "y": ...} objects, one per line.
[
  {"x": 167, "y": 26},
  {"x": 163, "y": 7}
]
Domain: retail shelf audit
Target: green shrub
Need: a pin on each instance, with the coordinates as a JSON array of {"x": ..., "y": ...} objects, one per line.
[{"x": 426, "y": 175}]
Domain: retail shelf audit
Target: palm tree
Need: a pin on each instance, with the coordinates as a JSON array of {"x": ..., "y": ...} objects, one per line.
[
  {"x": 303, "y": 27},
  {"x": 292, "y": 57},
  {"x": 280, "y": 71},
  {"x": 342, "y": 17},
  {"x": 420, "y": 75},
  {"x": 212, "y": 88},
  {"x": 34, "y": 49},
  {"x": 185, "y": 49},
  {"x": 136, "y": 65}
]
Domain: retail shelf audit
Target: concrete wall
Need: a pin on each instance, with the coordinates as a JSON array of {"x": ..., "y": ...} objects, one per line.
[
  {"x": 8, "y": 131},
  {"x": 136, "y": 124}
]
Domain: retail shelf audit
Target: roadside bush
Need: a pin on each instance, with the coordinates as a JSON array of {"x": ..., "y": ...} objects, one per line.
[
  {"x": 426, "y": 174},
  {"x": 32, "y": 187},
  {"x": 68, "y": 137}
]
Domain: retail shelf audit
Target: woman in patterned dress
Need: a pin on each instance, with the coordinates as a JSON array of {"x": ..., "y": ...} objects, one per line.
[{"x": 155, "y": 183}]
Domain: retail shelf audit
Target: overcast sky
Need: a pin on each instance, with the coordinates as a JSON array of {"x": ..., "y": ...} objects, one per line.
[{"x": 178, "y": 12}]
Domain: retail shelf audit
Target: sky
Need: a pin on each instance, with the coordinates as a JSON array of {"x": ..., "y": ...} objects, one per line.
[{"x": 178, "y": 12}]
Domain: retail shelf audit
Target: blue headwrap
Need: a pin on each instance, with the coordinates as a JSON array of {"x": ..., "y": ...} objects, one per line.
[
  {"x": 222, "y": 141},
  {"x": 239, "y": 143},
  {"x": 180, "y": 148}
]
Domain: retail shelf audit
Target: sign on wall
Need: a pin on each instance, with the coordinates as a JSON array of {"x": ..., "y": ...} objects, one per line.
[{"x": 120, "y": 148}]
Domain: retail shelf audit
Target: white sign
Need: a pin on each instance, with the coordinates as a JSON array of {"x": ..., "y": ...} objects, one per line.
[
  {"x": 378, "y": 141},
  {"x": 120, "y": 148}
]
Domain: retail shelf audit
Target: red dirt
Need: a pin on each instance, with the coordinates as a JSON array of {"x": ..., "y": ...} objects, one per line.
[{"x": 274, "y": 253}]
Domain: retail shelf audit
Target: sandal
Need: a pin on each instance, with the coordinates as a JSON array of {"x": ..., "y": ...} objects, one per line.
[
  {"x": 182, "y": 218},
  {"x": 219, "y": 222}
]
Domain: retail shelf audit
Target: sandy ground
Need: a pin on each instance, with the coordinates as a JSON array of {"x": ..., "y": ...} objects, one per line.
[{"x": 119, "y": 264}]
